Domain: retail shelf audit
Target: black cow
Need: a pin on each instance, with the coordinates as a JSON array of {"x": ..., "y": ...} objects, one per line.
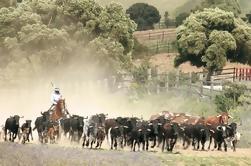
[
  {"x": 41, "y": 124},
  {"x": 116, "y": 135},
  {"x": 170, "y": 136},
  {"x": 142, "y": 134},
  {"x": 219, "y": 134},
  {"x": 65, "y": 125},
  {"x": 186, "y": 134},
  {"x": 200, "y": 134},
  {"x": 12, "y": 125},
  {"x": 232, "y": 135},
  {"x": 90, "y": 135},
  {"x": 26, "y": 131},
  {"x": 76, "y": 127}
]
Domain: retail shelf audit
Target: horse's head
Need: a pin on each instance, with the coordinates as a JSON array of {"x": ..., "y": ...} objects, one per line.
[{"x": 61, "y": 104}]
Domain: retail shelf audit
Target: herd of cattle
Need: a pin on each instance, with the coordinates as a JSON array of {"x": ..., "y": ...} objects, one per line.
[{"x": 161, "y": 130}]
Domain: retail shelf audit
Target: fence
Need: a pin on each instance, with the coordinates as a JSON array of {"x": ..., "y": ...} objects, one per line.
[{"x": 160, "y": 35}]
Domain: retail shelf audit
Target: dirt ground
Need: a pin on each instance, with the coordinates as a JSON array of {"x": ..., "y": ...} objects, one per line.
[{"x": 64, "y": 154}]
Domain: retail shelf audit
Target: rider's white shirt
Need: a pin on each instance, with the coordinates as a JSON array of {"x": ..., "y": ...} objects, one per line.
[{"x": 55, "y": 98}]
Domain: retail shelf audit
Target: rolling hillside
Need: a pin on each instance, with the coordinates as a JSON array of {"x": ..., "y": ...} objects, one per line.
[
  {"x": 161, "y": 5},
  {"x": 173, "y": 6}
]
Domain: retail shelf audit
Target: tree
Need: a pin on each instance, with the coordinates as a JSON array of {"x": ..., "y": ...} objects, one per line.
[
  {"x": 144, "y": 15},
  {"x": 180, "y": 18},
  {"x": 229, "y": 5},
  {"x": 211, "y": 37},
  {"x": 230, "y": 98},
  {"x": 51, "y": 34}
]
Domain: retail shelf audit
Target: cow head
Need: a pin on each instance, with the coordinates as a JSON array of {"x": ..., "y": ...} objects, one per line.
[
  {"x": 222, "y": 130},
  {"x": 231, "y": 129},
  {"x": 81, "y": 121},
  {"x": 223, "y": 118},
  {"x": 16, "y": 119},
  {"x": 101, "y": 119},
  {"x": 28, "y": 122}
]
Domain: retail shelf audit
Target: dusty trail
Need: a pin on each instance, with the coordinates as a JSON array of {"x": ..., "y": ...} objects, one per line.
[{"x": 66, "y": 153}]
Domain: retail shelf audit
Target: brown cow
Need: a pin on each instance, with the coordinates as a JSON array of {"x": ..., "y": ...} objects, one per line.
[{"x": 217, "y": 120}]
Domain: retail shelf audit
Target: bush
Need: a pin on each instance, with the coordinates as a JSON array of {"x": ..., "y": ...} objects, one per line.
[{"x": 139, "y": 50}]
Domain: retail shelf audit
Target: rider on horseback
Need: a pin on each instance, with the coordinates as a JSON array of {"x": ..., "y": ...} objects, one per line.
[{"x": 55, "y": 97}]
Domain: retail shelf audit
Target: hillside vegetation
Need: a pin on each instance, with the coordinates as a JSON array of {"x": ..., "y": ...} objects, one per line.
[{"x": 174, "y": 7}]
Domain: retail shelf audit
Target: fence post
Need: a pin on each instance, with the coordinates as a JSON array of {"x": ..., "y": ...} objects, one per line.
[
  {"x": 157, "y": 48},
  {"x": 167, "y": 85},
  {"x": 211, "y": 86},
  {"x": 190, "y": 83},
  {"x": 177, "y": 78},
  {"x": 158, "y": 79},
  {"x": 201, "y": 86}
]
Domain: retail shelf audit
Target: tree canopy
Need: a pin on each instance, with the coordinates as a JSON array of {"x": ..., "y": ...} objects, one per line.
[
  {"x": 229, "y": 5},
  {"x": 49, "y": 34},
  {"x": 144, "y": 15},
  {"x": 212, "y": 37}
]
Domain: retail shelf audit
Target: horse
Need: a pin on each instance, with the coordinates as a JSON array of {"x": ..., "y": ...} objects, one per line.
[{"x": 59, "y": 111}]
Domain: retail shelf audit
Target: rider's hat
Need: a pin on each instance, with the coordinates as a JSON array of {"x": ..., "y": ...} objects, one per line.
[{"x": 56, "y": 89}]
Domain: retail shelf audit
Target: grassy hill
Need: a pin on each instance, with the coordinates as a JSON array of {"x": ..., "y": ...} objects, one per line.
[{"x": 173, "y": 6}]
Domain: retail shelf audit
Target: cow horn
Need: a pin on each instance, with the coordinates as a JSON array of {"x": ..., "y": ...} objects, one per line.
[
  {"x": 218, "y": 128},
  {"x": 218, "y": 116},
  {"x": 229, "y": 126},
  {"x": 202, "y": 130},
  {"x": 230, "y": 116},
  {"x": 126, "y": 127},
  {"x": 42, "y": 113},
  {"x": 159, "y": 124},
  {"x": 212, "y": 131}
]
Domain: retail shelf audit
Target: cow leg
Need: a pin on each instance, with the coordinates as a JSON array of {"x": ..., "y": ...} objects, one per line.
[
  {"x": 97, "y": 143},
  {"x": 134, "y": 145},
  {"x": 173, "y": 143},
  {"x": 194, "y": 143},
  {"x": 167, "y": 144},
  {"x": 147, "y": 143},
  {"x": 10, "y": 138},
  {"x": 210, "y": 141},
  {"x": 198, "y": 143},
  {"x": 138, "y": 145},
  {"x": 5, "y": 134},
  {"x": 234, "y": 144},
  {"x": 219, "y": 145},
  {"x": 131, "y": 144},
  {"x": 111, "y": 143},
  {"x": 225, "y": 145},
  {"x": 163, "y": 144},
  {"x": 154, "y": 142},
  {"x": 115, "y": 143}
]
